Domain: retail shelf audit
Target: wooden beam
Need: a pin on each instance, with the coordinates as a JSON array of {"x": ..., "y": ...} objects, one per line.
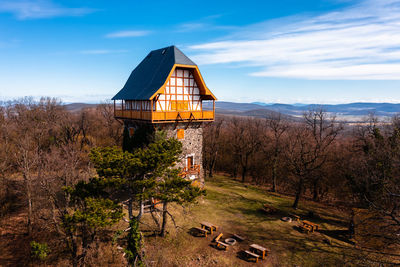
[{"x": 151, "y": 108}]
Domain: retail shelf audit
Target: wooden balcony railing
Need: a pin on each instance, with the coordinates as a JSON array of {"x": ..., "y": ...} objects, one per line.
[
  {"x": 165, "y": 116},
  {"x": 193, "y": 170}
]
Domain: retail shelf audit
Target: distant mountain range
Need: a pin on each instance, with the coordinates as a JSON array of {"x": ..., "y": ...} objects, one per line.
[{"x": 345, "y": 112}]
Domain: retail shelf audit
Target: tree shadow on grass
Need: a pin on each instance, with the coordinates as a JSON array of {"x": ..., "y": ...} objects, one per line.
[
  {"x": 342, "y": 235},
  {"x": 196, "y": 233}
]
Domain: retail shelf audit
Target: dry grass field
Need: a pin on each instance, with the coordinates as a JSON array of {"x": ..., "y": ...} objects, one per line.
[{"x": 236, "y": 208}]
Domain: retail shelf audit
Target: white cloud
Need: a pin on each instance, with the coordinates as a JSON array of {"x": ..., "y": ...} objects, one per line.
[
  {"x": 124, "y": 34},
  {"x": 361, "y": 42},
  {"x": 36, "y": 9}
]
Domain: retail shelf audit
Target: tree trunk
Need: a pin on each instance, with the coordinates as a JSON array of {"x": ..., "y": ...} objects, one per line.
[
  {"x": 130, "y": 213},
  {"x": 244, "y": 171},
  {"x": 274, "y": 167},
  {"x": 164, "y": 219},
  {"x": 315, "y": 190},
  {"x": 210, "y": 173},
  {"x": 141, "y": 210},
  {"x": 298, "y": 193},
  {"x": 74, "y": 249},
  {"x": 234, "y": 171},
  {"x": 29, "y": 198},
  {"x": 212, "y": 165}
]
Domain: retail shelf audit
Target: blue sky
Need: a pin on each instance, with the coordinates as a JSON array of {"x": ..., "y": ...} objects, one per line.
[{"x": 287, "y": 51}]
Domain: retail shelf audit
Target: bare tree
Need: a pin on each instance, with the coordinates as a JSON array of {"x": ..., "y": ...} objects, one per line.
[
  {"x": 308, "y": 145},
  {"x": 111, "y": 126},
  {"x": 245, "y": 140},
  {"x": 373, "y": 173},
  {"x": 278, "y": 126},
  {"x": 211, "y": 146}
]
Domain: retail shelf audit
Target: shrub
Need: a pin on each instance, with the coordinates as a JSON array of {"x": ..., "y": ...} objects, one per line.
[{"x": 39, "y": 251}]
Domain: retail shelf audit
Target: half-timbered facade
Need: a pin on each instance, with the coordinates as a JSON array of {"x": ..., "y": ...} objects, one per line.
[{"x": 166, "y": 90}]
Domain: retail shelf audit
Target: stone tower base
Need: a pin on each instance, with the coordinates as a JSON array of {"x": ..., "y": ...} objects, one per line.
[{"x": 191, "y": 136}]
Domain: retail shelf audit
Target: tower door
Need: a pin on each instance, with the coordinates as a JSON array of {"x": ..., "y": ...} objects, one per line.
[{"x": 189, "y": 162}]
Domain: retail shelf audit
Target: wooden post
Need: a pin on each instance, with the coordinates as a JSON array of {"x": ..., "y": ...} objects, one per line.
[
  {"x": 131, "y": 108},
  {"x": 114, "y": 108},
  {"x": 151, "y": 108},
  {"x": 141, "y": 113},
  {"x": 201, "y": 108}
]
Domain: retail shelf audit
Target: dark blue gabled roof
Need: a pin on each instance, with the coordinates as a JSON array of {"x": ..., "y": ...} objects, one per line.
[{"x": 152, "y": 73}]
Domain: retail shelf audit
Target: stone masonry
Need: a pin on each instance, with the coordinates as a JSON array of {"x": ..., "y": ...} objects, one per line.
[{"x": 192, "y": 142}]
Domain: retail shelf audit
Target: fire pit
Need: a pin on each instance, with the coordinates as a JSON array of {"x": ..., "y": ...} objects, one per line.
[
  {"x": 230, "y": 241},
  {"x": 286, "y": 219}
]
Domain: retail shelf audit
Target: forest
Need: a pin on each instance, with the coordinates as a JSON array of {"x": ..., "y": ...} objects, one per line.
[{"x": 66, "y": 183}]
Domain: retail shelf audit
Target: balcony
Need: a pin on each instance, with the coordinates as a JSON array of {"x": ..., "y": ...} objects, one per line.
[
  {"x": 165, "y": 116},
  {"x": 193, "y": 170}
]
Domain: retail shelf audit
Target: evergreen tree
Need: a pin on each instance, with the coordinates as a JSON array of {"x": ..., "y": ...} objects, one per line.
[
  {"x": 148, "y": 172},
  {"x": 133, "y": 250},
  {"x": 91, "y": 211}
]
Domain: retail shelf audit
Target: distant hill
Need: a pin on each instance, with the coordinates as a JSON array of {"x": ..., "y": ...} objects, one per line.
[
  {"x": 73, "y": 107},
  {"x": 344, "y": 112}
]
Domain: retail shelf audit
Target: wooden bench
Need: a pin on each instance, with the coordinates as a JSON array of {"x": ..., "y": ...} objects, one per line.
[
  {"x": 222, "y": 245},
  {"x": 259, "y": 250},
  {"x": 295, "y": 217},
  {"x": 201, "y": 231},
  {"x": 218, "y": 237},
  {"x": 209, "y": 226},
  {"x": 238, "y": 237},
  {"x": 313, "y": 226},
  {"x": 251, "y": 255},
  {"x": 306, "y": 228}
]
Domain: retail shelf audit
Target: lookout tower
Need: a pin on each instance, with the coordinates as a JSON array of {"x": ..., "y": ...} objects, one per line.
[{"x": 166, "y": 91}]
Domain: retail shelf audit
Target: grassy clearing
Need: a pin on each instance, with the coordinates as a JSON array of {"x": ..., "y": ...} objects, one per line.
[{"x": 235, "y": 208}]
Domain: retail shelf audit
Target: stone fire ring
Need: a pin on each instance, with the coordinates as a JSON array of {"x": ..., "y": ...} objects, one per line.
[
  {"x": 286, "y": 219},
  {"x": 230, "y": 241}
]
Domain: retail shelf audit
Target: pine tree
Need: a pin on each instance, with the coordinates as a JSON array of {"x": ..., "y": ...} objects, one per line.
[
  {"x": 134, "y": 247},
  {"x": 91, "y": 211},
  {"x": 148, "y": 172}
]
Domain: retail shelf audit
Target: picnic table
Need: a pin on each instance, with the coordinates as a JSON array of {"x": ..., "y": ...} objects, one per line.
[
  {"x": 313, "y": 226},
  {"x": 220, "y": 244},
  {"x": 259, "y": 250},
  {"x": 295, "y": 217},
  {"x": 252, "y": 255},
  {"x": 209, "y": 226},
  {"x": 201, "y": 231}
]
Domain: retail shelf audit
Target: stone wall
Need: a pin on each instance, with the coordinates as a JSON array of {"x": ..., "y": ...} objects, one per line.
[{"x": 192, "y": 143}]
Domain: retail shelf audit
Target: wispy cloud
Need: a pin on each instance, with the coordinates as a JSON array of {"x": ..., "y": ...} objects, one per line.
[
  {"x": 37, "y": 9},
  {"x": 185, "y": 27},
  {"x": 204, "y": 24},
  {"x": 361, "y": 42},
  {"x": 198, "y": 26},
  {"x": 125, "y": 34},
  {"x": 102, "y": 52}
]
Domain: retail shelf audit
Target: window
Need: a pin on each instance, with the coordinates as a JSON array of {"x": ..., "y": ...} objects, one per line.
[
  {"x": 180, "y": 134},
  {"x": 131, "y": 131}
]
